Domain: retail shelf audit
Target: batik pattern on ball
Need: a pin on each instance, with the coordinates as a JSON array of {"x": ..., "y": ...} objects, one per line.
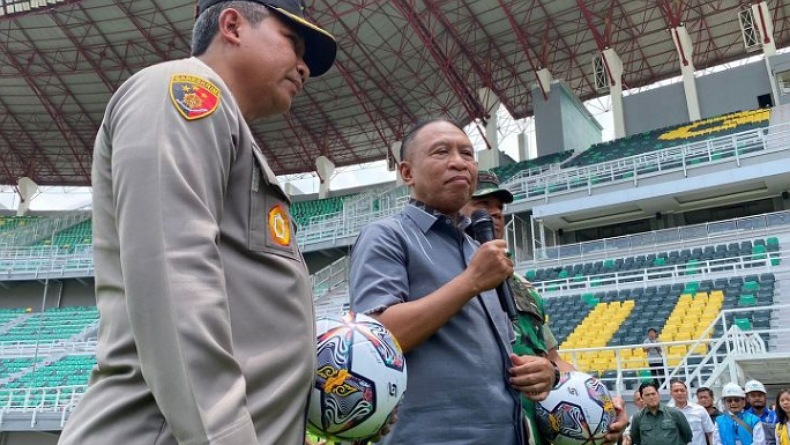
[
  {"x": 577, "y": 412},
  {"x": 348, "y": 399},
  {"x": 360, "y": 378}
]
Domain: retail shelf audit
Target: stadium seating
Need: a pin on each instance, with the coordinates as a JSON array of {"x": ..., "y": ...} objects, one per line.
[
  {"x": 51, "y": 325},
  {"x": 67, "y": 239},
  {"x": 8, "y": 223},
  {"x": 306, "y": 211},
  {"x": 655, "y": 140},
  {"x": 679, "y": 312},
  {"x": 595, "y": 331},
  {"x": 506, "y": 172},
  {"x": 564, "y": 314},
  {"x": 690, "y": 258}
]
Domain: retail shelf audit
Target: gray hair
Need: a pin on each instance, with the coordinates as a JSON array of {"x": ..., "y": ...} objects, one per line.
[{"x": 207, "y": 24}]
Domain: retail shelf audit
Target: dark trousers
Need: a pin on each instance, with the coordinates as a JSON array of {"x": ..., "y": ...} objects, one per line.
[{"x": 657, "y": 371}]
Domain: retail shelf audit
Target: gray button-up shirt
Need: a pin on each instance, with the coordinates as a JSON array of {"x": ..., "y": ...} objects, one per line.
[{"x": 458, "y": 390}]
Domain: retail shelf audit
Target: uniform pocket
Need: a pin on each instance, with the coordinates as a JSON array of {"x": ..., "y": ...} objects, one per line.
[{"x": 271, "y": 227}]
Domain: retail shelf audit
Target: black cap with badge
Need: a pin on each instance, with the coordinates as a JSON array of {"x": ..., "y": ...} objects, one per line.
[{"x": 320, "y": 46}]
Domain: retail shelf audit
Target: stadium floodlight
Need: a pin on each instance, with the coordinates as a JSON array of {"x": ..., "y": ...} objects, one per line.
[{"x": 8, "y": 7}]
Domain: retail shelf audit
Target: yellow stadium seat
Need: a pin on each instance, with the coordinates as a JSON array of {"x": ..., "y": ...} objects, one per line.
[{"x": 701, "y": 349}]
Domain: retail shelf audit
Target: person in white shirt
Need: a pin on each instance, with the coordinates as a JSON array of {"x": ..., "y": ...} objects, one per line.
[{"x": 702, "y": 426}]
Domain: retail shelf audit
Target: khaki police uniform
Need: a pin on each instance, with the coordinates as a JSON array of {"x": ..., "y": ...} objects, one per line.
[{"x": 207, "y": 332}]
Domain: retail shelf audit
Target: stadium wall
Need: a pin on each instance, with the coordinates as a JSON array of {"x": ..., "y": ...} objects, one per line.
[
  {"x": 59, "y": 293},
  {"x": 562, "y": 122},
  {"x": 15, "y": 438},
  {"x": 666, "y": 106}
]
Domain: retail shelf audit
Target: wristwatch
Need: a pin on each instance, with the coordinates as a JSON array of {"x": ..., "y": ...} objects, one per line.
[{"x": 556, "y": 375}]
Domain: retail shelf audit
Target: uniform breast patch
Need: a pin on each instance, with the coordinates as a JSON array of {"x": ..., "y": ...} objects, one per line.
[
  {"x": 193, "y": 96},
  {"x": 280, "y": 226}
]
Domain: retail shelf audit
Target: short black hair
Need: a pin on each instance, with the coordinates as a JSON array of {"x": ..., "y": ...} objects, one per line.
[
  {"x": 207, "y": 24},
  {"x": 676, "y": 380},
  {"x": 652, "y": 329},
  {"x": 411, "y": 134},
  {"x": 702, "y": 389},
  {"x": 647, "y": 385}
]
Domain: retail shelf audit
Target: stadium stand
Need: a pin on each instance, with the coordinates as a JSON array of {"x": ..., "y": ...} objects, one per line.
[
  {"x": 306, "y": 212},
  {"x": 8, "y": 223},
  {"x": 719, "y": 126},
  {"x": 532, "y": 166},
  {"x": 690, "y": 258},
  {"x": 51, "y": 325}
]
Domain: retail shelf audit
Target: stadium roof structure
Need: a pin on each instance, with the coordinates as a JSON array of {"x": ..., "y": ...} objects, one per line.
[{"x": 398, "y": 60}]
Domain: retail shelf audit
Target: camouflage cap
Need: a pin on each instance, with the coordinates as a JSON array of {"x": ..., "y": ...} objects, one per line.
[{"x": 488, "y": 184}]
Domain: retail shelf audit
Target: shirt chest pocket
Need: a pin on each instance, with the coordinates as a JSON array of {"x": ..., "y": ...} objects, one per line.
[
  {"x": 667, "y": 425},
  {"x": 271, "y": 227}
]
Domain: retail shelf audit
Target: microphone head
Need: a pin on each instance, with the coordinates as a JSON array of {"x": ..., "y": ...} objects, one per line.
[{"x": 480, "y": 215}]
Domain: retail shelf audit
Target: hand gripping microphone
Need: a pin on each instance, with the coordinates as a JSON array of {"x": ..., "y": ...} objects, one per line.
[{"x": 483, "y": 232}]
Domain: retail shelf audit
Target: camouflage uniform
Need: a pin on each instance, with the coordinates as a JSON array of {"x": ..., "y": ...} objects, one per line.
[{"x": 533, "y": 337}]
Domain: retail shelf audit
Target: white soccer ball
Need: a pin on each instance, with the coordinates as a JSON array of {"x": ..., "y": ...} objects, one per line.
[
  {"x": 360, "y": 378},
  {"x": 579, "y": 411}
]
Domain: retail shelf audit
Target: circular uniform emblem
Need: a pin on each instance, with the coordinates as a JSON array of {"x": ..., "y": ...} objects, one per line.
[{"x": 280, "y": 226}]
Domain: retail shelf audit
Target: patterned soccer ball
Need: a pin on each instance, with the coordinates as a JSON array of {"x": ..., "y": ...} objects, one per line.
[
  {"x": 579, "y": 411},
  {"x": 360, "y": 378}
]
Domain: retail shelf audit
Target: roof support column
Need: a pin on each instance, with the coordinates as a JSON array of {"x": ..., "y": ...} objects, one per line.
[
  {"x": 685, "y": 51},
  {"x": 765, "y": 24},
  {"x": 615, "y": 70},
  {"x": 325, "y": 169},
  {"x": 488, "y": 159}
]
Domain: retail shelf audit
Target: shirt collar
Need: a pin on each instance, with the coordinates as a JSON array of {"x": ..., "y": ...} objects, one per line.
[{"x": 425, "y": 216}]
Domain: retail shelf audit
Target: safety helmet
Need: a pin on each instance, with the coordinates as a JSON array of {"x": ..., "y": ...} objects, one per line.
[
  {"x": 754, "y": 385},
  {"x": 732, "y": 390}
]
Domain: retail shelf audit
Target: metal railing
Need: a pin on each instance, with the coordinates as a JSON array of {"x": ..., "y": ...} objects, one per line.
[
  {"x": 731, "y": 148},
  {"x": 710, "y": 232},
  {"x": 26, "y": 348},
  {"x": 679, "y": 273},
  {"x": 61, "y": 399},
  {"x": 330, "y": 277},
  {"x": 42, "y": 229}
]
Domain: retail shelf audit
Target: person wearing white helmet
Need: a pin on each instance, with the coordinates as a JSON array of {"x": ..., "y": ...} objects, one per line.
[
  {"x": 736, "y": 427},
  {"x": 756, "y": 396}
]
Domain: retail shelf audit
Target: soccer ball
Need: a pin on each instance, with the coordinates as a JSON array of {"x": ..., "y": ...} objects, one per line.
[
  {"x": 360, "y": 378},
  {"x": 578, "y": 411}
]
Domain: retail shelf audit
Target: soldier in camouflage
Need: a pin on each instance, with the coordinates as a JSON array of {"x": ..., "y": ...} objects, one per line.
[{"x": 532, "y": 333}]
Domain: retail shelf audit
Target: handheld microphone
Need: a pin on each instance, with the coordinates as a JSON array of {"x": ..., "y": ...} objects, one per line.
[{"x": 483, "y": 232}]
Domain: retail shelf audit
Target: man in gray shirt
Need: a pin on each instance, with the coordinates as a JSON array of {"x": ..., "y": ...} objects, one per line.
[
  {"x": 432, "y": 286},
  {"x": 654, "y": 357}
]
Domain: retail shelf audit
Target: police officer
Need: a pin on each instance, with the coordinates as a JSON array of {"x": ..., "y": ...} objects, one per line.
[{"x": 207, "y": 330}]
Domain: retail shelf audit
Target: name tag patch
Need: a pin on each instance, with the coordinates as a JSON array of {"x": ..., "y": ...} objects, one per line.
[{"x": 280, "y": 226}]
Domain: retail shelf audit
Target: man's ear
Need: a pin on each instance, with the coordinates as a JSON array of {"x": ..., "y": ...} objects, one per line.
[
  {"x": 404, "y": 168},
  {"x": 230, "y": 20}
]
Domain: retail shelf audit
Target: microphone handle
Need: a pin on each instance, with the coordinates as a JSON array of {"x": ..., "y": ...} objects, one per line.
[{"x": 506, "y": 300}]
